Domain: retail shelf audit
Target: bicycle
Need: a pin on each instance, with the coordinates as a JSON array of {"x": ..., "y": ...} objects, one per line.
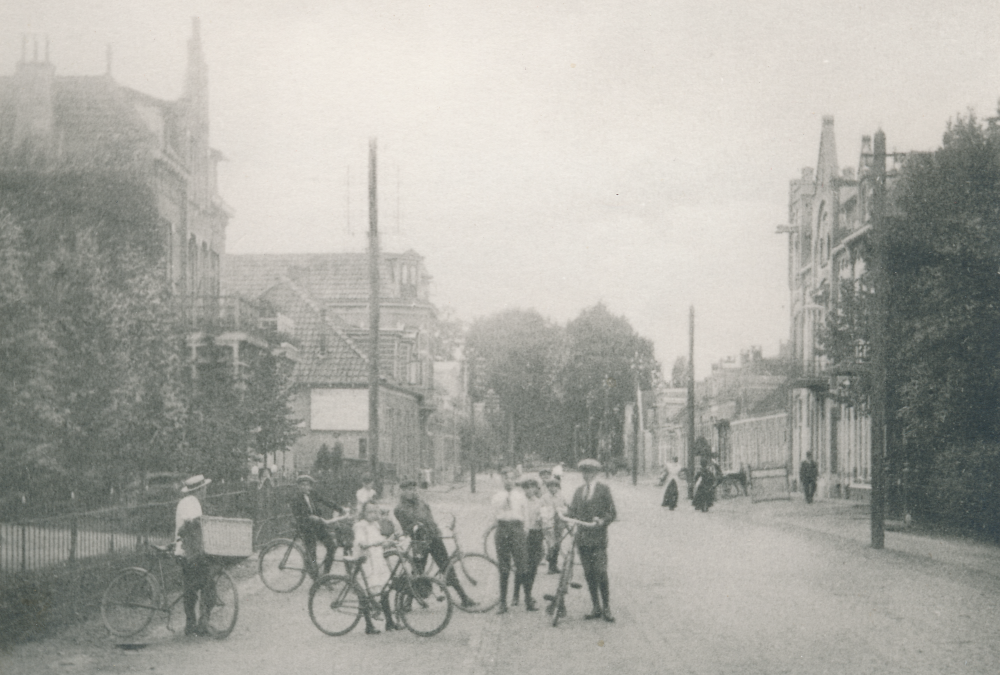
[
  {"x": 283, "y": 564},
  {"x": 134, "y": 596},
  {"x": 557, "y": 601},
  {"x": 478, "y": 574},
  {"x": 422, "y": 603}
]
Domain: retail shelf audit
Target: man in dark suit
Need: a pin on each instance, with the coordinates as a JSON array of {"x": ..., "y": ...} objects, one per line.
[
  {"x": 312, "y": 526},
  {"x": 592, "y": 503},
  {"x": 808, "y": 475}
]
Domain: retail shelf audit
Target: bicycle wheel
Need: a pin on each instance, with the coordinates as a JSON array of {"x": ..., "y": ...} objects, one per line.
[
  {"x": 479, "y": 577},
  {"x": 222, "y": 618},
  {"x": 728, "y": 489},
  {"x": 558, "y": 605},
  {"x": 424, "y": 605},
  {"x": 335, "y": 604},
  {"x": 282, "y": 565},
  {"x": 490, "y": 542},
  {"x": 129, "y": 602}
]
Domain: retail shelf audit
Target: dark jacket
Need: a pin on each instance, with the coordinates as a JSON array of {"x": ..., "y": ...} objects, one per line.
[
  {"x": 303, "y": 514},
  {"x": 416, "y": 515},
  {"x": 600, "y": 505},
  {"x": 808, "y": 471}
]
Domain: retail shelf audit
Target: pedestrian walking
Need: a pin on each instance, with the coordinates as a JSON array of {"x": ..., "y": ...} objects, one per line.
[
  {"x": 312, "y": 526},
  {"x": 195, "y": 565},
  {"x": 417, "y": 522},
  {"x": 593, "y": 503},
  {"x": 534, "y": 544},
  {"x": 672, "y": 492},
  {"x": 808, "y": 475},
  {"x": 704, "y": 487},
  {"x": 510, "y": 512}
]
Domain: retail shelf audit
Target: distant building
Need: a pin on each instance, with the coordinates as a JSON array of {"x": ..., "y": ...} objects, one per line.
[
  {"x": 71, "y": 125},
  {"x": 829, "y": 220},
  {"x": 323, "y": 301}
]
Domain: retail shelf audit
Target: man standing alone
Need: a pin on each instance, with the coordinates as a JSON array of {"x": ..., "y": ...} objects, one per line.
[
  {"x": 808, "y": 474},
  {"x": 510, "y": 510},
  {"x": 195, "y": 565},
  {"x": 592, "y": 503}
]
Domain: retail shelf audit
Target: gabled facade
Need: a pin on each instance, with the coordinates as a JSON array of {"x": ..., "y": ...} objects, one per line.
[
  {"x": 70, "y": 125},
  {"x": 322, "y": 301},
  {"x": 829, "y": 220}
]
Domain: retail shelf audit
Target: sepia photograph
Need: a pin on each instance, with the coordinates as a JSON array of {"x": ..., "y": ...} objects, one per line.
[{"x": 453, "y": 337}]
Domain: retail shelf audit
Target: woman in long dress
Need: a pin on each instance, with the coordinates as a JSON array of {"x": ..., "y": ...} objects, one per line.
[{"x": 369, "y": 540}]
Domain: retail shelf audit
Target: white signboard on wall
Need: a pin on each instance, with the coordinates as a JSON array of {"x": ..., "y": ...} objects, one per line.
[{"x": 338, "y": 410}]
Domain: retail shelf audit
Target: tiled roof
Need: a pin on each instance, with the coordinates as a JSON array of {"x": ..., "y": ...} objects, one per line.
[
  {"x": 326, "y": 277},
  {"x": 326, "y": 356},
  {"x": 94, "y": 121},
  {"x": 331, "y": 353}
]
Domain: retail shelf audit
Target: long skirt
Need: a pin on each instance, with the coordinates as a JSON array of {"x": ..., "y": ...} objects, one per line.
[{"x": 670, "y": 495}]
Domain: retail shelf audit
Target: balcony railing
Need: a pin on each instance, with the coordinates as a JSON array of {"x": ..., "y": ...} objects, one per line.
[{"x": 221, "y": 314}]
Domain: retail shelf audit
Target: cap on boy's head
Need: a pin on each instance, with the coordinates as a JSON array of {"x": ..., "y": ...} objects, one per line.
[
  {"x": 529, "y": 483},
  {"x": 554, "y": 481},
  {"x": 408, "y": 483},
  {"x": 305, "y": 478},
  {"x": 589, "y": 465}
]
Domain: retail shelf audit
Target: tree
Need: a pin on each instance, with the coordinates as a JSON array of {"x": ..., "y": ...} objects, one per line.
[
  {"x": 606, "y": 360},
  {"x": 517, "y": 353},
  {"x": 944, "y": 260},
  {"x": 679, "y": 373}
]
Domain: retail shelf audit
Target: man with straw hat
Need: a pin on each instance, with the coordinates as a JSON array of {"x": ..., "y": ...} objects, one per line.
[{"x": 195, "y": 572}]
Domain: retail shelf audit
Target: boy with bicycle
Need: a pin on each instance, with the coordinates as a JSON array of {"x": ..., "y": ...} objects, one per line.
[
  {"x": 312, "y": 527},
  {"x": 417, "y": 521}
]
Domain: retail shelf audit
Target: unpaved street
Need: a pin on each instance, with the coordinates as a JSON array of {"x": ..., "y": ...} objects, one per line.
[{"x": 746, "y": 588}]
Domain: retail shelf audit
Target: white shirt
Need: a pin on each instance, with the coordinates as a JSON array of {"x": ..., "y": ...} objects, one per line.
[
  {"x": 511, "y": 505},
  {"x": 376, "y": 568},
  {"x": 188, "y": 508},
  {"x": 364, "y": 495}
]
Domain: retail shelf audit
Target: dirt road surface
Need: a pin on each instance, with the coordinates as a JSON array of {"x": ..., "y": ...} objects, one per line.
[{"x": 746, "y": 588}]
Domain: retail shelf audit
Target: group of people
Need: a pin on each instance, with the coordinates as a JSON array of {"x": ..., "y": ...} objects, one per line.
[
  {"x": 369, "y": 536},
  {"x": 528, "y": 522},
  {"x": 530, "y": 515}
]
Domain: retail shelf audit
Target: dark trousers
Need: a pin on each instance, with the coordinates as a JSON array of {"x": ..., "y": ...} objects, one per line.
[
  {"x": 594, "y": 560},
  {"x": 311, "y": 533},
  {"x": 809, "y": 488},
  {"x": 196, "y": 575},
  {"x": 510, "y": 543},
  {"x": 534, "y": 551},
  {"x": 436, "y": 549}
]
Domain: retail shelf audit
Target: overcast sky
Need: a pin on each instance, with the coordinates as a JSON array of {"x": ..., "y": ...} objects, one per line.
[{"x": 546, "y": 154}]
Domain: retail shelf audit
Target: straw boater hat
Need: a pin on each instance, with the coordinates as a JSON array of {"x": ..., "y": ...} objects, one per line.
[
  {"x": 195, "y": 483},
  {"x": 305, "y": 478},
  {"x": 589, "y": 465}
]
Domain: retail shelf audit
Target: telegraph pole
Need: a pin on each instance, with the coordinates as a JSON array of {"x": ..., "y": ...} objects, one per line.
[
  {"x": 373, "y": 312},
  {"x": 471, "y": 389},
  {"x": 879, "y": 342},
  {"x": 690, "y": 462}
]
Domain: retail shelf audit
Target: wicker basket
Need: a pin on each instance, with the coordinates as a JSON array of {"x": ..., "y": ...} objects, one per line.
[{"x": 227, "y": 537}]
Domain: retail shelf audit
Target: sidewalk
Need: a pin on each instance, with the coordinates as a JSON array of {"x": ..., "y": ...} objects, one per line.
[{"x": 852, "y": 521}]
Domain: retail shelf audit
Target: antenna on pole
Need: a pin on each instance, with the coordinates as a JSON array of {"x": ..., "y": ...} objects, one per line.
[
  {"x": 347, "y": 201},
  {"x": 373, "y": 321},
  {"x": 398, "y": 217}
]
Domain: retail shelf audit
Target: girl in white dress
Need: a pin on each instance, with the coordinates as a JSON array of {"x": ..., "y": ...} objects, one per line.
[{"x": 368, "y": 540}]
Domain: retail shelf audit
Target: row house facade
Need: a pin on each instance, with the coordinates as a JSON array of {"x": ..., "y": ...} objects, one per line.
[
  {"x": 320, "y": 301},
  {"x": 829, "y": 220},
  {"x": 89, "y": 129}
]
